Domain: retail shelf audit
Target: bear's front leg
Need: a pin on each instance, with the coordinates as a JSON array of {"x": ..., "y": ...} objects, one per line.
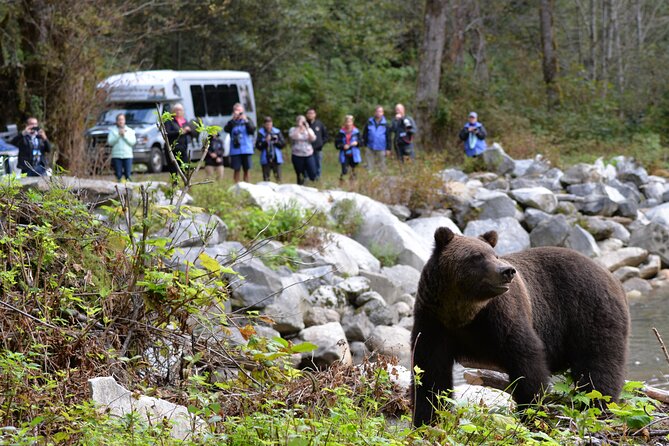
[
  {"x": 526, "y": 363},
  {"x": 431, "y": 356}
]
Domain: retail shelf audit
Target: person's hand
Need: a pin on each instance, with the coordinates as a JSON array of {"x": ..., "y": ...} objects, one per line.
[
  {"x": 471, "y": 129},
  {"x": 398, "y": 116},
  {"x": 268, "y": 138},
  {"x": 121, "y": 131},
  {"x": 28, "y": 130},
  {"x": 186, "y": 129},
  {"x": 354, "y": 143},
  {"x": 346, "y": 146},
  {"x": 42, "y": 134},
  {"x": 219, "y": 159}
]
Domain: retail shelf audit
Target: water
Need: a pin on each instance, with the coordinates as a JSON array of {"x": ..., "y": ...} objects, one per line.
[{"x": 646, "y": 361}]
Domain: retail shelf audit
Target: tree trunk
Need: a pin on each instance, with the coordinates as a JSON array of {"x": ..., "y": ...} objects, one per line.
[
  {"x": 429, "y": 70},
  {"x": 550, "y": 63}
]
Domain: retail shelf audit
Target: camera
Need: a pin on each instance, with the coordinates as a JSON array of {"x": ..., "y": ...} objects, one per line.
[
  {"x": 407, "y": 123},
  {"x": 35, "y": 129},
  {"x": 236, "y": 140}
]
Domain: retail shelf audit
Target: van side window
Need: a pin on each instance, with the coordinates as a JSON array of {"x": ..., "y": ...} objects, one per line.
[
  {"x": 229, "y": 96},
  {"x": 198, "y": 100},
  {"x": 246, "y": 97},
  {"x": 212, "y": 97}
]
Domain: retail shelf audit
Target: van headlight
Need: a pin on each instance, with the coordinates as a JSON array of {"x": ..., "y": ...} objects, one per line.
[{"x": 142, "y": 140}]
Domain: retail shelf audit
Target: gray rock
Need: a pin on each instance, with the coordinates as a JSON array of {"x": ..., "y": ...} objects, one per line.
[
  {"x": 346, "y": 255},
  {"x": 536, "y": 197},
  {"x": 552, "y": 232},
  {"x": 626, "y": 272},
  {"x": 356, "y": 325},
  {"x": 120, "y": 402},
  {"x": 610, "y": 245},
  {"x": 404, "y": 277},
  {"x": 650, "y": 267},
  {"x": 494, "y": 399},
  {"x": 320, "y": 316},
  {"x": 260, "y": 286},
  {"x": 631, "y": 256},
  {"x": 629, "y": 170},
  {"x": 551, "y": 179},
  {"x": 391, "y": 341},
  {"x": 582, "y": 241},
  {"x": 369, "y": 296},
  {"x": 653, "y": 237},
  {"x": 316, "y": 276},
  {"x": 512, "y": 236},
  {"x": 359, "y": 352},
  {"x": 659, "y": 214},
  {"x": 381, "y": 314},
  {"x": 332, "y": 345},
  {"x": 406, "y": 322},
  {"x": 637, "y": 284},
  {"x": 603, "y": 228},
  {"x": 654, "y": 190},
  {"x": 524, "y": 183},
  {"x": 403, "y": 309},
  {"x": 581, "y": 173},
  {"x": 566, "y": 208},
  {"x": 389, "y": 289},
  {"x": 628, "y": 190},
  {"x": 400, "y": 211},
  {"x": 425, "y": 228},
  {"x": 497, "y": 160},
  {"x": 453, "y": 175},
  {"x": 484, "y": 177},
  {"x": 328, "y": 296},
  {"x": 354, "y": 287},
  {"x": 287, "y": 310},
  {"x": 196, "y": 229},
  {"x": 500, "y": 184},
  {"x": 492, "y": 204},
  {"x": 534, "y": 216},
  {"x": 252, "y": 296},
  {"x": 540, "y": 166},
  {"x": 520, "y": 167}
]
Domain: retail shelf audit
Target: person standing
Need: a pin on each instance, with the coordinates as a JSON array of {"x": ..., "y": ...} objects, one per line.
[
  {"x": 270, "y": 142},
  {"x": 321, "y": 138},
  {"x": 241, "y": 131},
  {"x": 213, "y": 163},
  {"x": 302, "y": 152},
  {"x": 122, "y": 139},
  {"x": 376, "y": 138},
  {"x": 404, "y": 130},
  {"x": 179, "y": 132},
  {"x": 33, "y": 146},
  {"x": 473, "y": 134},
  {"x": 348, "y": 143}
]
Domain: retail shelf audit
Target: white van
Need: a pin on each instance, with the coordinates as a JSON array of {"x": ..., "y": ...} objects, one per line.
[{"x": 208, "y": 95}]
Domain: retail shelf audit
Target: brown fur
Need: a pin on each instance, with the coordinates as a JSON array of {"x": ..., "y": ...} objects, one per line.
[{"x": 561, "y": 311}]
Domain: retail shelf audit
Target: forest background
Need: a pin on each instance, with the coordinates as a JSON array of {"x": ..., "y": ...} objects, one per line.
[{"x": 571, "y": 79}]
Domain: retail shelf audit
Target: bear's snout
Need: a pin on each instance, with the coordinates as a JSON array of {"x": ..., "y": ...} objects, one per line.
[{"x": 507, "y": 272}]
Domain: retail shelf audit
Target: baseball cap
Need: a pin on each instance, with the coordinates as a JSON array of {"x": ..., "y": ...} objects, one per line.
[{"x": 473, "y": 115}]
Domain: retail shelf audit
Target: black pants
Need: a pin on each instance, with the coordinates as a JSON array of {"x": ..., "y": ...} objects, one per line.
[
  {"x": 122, "y": 167},
  {"x": 304, "y": 165},
  {"x": 269, "y": 168}
]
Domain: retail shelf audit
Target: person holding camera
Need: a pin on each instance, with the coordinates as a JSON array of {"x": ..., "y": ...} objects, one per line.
[
  {"x": 348, "y": 144},
  {"x": 241, "y": 131},
  {"x": 404, "y": 130},
  {"x": 179, "y": 132},
  {"x": 213, "y": 162},
  {"x": 376, "y": 138},
  {"x": 33, "y": 146},
  {"x": 321, "y": 138},
  {"x": 270, "y": 142},
  {"x": 302, "y": 152},
  {"x": 122, "y": 139},
  {"x": 473, "y": 134}
]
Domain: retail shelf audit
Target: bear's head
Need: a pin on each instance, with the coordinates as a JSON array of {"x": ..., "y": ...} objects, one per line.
[{"x": 463, "y": 275}]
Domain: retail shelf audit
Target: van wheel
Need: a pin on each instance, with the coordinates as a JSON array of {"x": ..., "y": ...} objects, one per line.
[{"x": 155, "y": 164}]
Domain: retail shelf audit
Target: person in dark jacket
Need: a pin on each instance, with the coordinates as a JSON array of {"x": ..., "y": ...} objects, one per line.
[
  {"x": 33, "y": 146},
  {"x": 241, "y": 131},
  {"x": 404, "y": 130},
  {"x": 321, "y": 138},
  {"x": 179, "y": 132},
  {"x": 270, "y": 142},
  {"x": 473, "y": 134},
  {"x": 376, "y": 138},
  {"x": 348, "y": 143},
  {"x": 213, "y": 163}
]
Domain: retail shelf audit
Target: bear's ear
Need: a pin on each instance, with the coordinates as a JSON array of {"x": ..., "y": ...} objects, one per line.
[
  {"x": 442, "y": 236},
  {"x": 490, "y": 237}
]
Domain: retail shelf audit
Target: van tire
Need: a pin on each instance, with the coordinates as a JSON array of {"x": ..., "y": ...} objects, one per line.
[{"x": 156, "y": 161}]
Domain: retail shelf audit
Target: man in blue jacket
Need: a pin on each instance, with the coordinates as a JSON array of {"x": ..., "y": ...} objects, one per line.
[
  {"x": 376, "y": 138},
  {"x": 241, "y": 131},
  {"x": 270, "y": 142},
  {"x": 473, "y": 134}
]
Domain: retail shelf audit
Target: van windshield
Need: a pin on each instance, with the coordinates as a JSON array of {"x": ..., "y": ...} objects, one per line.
[{"x": 137, "y": 113}]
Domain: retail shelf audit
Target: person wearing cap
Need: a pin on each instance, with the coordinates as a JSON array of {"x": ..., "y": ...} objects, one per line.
[{"x": 473, "y": 134}]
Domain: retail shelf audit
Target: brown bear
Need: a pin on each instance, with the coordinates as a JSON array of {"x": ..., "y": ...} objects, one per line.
[{"x": 530, "y": 314}]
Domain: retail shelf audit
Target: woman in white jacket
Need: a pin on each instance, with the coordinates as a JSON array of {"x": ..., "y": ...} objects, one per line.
[{"x": 122, "y": 139}]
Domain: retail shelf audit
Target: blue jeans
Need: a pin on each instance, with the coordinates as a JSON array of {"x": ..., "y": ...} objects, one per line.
[
  {"x": 122, "y": 167},
  {"x": 318, "y": 159}
]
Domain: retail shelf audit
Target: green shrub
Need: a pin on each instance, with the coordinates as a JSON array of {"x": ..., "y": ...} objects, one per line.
[{"x": 347, "y": 216}]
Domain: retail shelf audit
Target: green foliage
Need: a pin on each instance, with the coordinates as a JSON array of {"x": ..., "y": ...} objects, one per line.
[
  {"x": 347, "y": 216},
  {"x": 386, "y": 253}
]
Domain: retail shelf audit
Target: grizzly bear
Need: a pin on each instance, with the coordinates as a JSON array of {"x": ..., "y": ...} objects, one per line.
[{"x": 529, "y": 314}]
